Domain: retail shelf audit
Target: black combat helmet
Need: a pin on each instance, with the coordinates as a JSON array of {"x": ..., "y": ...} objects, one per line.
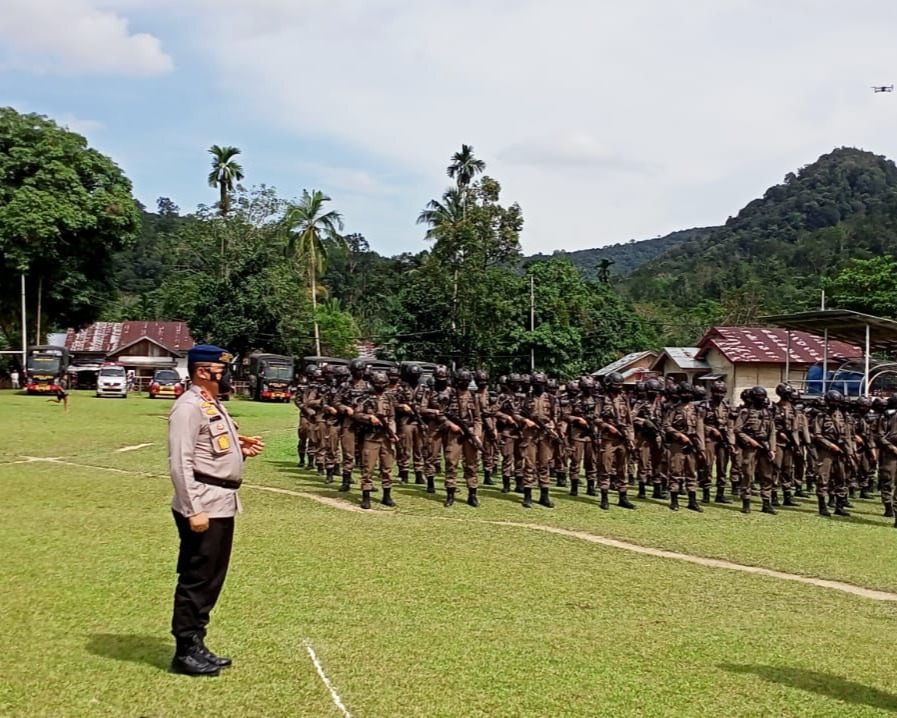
[
  {"x": 719, "y": 388},
  {"x": 685, "y": 391},
  {"x": 783, "y": 391},
  {"x": 481, "y": 378},
  {"x": 514, "y": 380},
  {"x": 379, "y": 380},
  {"x": 572, "y": 387},
  {"x": 587, "y": 385},
  {"x": 310, "y": 369},
  {"x": 652, "y": 386},
  {"x": 539, "y": 378},
  {"x": 759, "y": 394},
  {"x": 614, "y": 381},
  {"x": 317, "y": 374},
  {"x": 393, "y": 373},
  {"x": 462, "y": 379},
  {"x": 441, "y": 375},
  {"x": 503, "y": 381},
  {"x": 700, "y": 393},
  {"x": 357, "y": 367},
  {"x": 833, "y": 397},
  {"x": 552, "y": 385}
]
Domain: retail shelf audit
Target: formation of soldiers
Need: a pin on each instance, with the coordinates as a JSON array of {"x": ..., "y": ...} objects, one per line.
[{"x": 678, "y": 440}]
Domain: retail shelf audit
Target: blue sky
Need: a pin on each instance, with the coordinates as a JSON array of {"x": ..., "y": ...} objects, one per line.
[{"x": 607, "y": 122}]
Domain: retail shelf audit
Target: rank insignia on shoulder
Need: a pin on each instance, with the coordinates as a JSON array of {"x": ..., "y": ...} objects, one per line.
[
  {"x": 211, "y": 411},
  {"x": 223, "y": 443}
]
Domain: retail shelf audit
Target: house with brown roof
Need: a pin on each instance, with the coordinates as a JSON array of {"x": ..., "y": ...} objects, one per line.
[{"x": 744, "y": 357}]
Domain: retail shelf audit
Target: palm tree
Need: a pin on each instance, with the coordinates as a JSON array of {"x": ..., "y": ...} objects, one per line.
[
  {"x": 307, "y": 226},
  {"x": 225, "y": 173},
  {"x": 464, "y": 166}
]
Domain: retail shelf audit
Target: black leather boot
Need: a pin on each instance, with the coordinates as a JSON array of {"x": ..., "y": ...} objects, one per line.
[
  {"x": 799, "y": 493},
  {"x": 823, "y": 507},
  {"x": 215, "y": 660},
  {"x": 301, "y": 460},
  {"x": 506, "y": 484},
  {"x": 846, "y": 503},
  {"x": 544, "y": 499},
  {"x": 387, "y": 498},
  {"x": 889, "y": 511},
  {"x": 518, "y": 484},
  {"x": 487, "y": 478},
  {"x": 403, "y": 476},
  {"x": 721, "y": 497},
  {"x": 656, "y": 493},
  {"x": 449, "y": 498},
  {"x": 705, "y": 495},
  {"x": 320, "y": 469},
  {"x": 841, "y": 506},
  {"x": 674, "y": 500},
  {"x": 347, "y": 482},
  {"x": 365, "y": 500},
  {"x": 189, "y": 660},
  {"x": 851, "y": 492},
  {"x": 574, "y": 487},
  {"x": 623, "y": 502},
  {"x": 745, "y": 506},
  {"x": 590, "y": 488},
  {"x": 562, "y": 480},
  {"x": 419, "y": 478},
  {"x": 693, "y": 504},
  {"x": 605, "y": 504},
  {"x": 789, "y": 500},
  {"x": 431, "y": 484},
  {"x": 641, "y": 490},
  {"x": 775, "y": 498},
  {"x": 527, "y": 499},
  {"x": 831, "y": 501},
  {"x": 865, "y": 493},
  {"x": 767, "y": 507},
  {"x": 329, "y": 477},
  {"x": 472, "y": 499}
]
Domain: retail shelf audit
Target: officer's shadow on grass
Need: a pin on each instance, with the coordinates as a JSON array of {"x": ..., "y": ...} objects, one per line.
[
  {"x": 150, "y": 650},
  {"x": 824, "y": 684}
]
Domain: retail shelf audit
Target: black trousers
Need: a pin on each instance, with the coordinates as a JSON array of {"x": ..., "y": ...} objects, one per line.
[{"x": 202, "y": 567}]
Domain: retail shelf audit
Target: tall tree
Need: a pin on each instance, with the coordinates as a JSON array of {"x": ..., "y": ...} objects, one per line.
[
  {"x": 465, "y": 166},
  {"x": 226, "y": 172},
  {"x": 307, "y": 225}
]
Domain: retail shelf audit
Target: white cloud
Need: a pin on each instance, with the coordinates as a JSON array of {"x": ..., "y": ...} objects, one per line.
[
  {"x": 80, "y": 125},
  {"x": 349, "y": 179},
  {"x": 72, "y": 37}
]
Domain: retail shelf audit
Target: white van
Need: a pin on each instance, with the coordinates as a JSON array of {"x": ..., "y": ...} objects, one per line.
[{"x": 112, "y": 381}]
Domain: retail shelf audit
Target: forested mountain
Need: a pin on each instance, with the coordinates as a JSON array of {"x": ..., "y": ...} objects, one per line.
[{"x": 624, "y": 257}]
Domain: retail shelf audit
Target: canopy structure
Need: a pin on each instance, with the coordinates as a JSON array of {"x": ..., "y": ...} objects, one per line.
[{"x": 865, "y": 330}]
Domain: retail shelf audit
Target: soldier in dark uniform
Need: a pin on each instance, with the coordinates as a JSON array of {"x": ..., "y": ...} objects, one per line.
[
  {"x": 684, "y": 429},
  {"x": 328, "y": 423},
  {"x": 647, "y": 418},
  {"x": 433, "y": 412},
  {"x": 755, "y": 431},
  {"x": 206, "y": 456},
  {"x": 582, "y": 423},
  {"x": 719, "y": 441},
  {"x": 461, "y": 428},
  {"x": 617, "y": 441},
  {"x": 507, "y": 406},
  {"x": 831, "y": 436},
  {"x": 490, "y": 436},
  {"x": 538, "y": 417},
  {"x": 887, "y": 454},
  {"x": 409, "y": 423},
  {"x": 394, "y": 390},
  {"x": 347, "y": 400},
  {"x": 304, "y": 422},
  {"x": 561, "y": 448},
  {"x": 787, "y": 444},
  {"x": 376, "y": 413}
]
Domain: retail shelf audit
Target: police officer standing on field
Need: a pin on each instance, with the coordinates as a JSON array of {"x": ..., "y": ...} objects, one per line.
[{"x": 206, "y": 457}]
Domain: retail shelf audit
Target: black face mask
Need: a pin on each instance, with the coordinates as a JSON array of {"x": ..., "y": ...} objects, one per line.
[
  {"x": 441, "y": 384},
  {"x": 538, "y": 389},
  {"x": 223, "y": 381}
]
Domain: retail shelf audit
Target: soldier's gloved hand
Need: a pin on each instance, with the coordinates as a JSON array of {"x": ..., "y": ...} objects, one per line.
[
  {"x": 375, "y": 421},
  {"x": 454, "y": 428},
  {"x": 199, "y": 523}
]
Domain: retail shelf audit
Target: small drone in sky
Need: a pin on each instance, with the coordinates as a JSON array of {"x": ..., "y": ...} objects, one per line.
[{"x": 882, "y": 88}]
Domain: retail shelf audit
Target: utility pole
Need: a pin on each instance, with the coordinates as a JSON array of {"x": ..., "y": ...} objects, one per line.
[
  {"x": 532, "y": 323},
  {"x": 24, "y": 329}
]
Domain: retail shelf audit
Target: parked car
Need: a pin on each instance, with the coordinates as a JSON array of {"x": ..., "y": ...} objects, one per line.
[
  {"x": 112, "y": 381},
  {"x": 166, "y": 384}
]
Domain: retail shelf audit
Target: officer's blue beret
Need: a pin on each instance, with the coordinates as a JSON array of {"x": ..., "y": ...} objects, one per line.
[{"x": 204, "y": 353}]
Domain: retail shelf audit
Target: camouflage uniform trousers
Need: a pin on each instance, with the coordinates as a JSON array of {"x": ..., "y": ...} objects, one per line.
[
  {"x": 328, "y": 452},
  {"x": 756, "y": 463},
  {"x": 457, "y": 449},
  {"x": 376, "y": 450},
  {"x": 411, "y": 452},
  {"x": 491, "y": 450},
  {"x": 832, "y": 474},
  {"x": 349, "y": 444},
  {"x": 784, "y": 468},
  {"x": 507, "y": 448},
  {"x": 313, "y": 446},
  {"x": 651, "y": 459},
  {"x": 537, "y": 450},
  {"x": 683, "y": 469},
  {"x": 887, "y": 472},
  {"x": 302, "y": 436},
  {"x": 614, "y": 466},
  {"x": 716, "y": 462},
  {"x": 582, "y": 454}
]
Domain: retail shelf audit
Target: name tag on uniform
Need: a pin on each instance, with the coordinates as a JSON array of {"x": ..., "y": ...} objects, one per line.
[{"x": 223, "y": 442}]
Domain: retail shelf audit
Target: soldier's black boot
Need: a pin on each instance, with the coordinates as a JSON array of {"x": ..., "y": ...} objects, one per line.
[
  {"x": 472, "y": 499},
  {"x": 841, "y": 506},
  {"x": 506, "y": 484},
  {"x": 865, "y": 493},
  {"x": 347, "y": 482},
  {"x": 767, "y": 507},
  {"x": 419, "y": 478},
  {"x": 387, "y": 498},
  {"x": 518, "y": 484},
  {"x": 605, "y": 504},
  {"x": 403, "y": 476},
  {"x": 823, "y": 508},
  {"x": 895, "y": 523},
  {"x": 846, "y": 503},
  {"x": 574, "y": 487},
  {"x": 721, "y": 497},
  {"x": 562, "y": 480},
  {"x": 449, "y": 498},
  {"x": 431, "y": 484},
  {"x": 775, "y": 498},
  {"x": 189, "y": 660},
  {"x": 320, "y": 469},
  {"x": 789, "y": 500},
  {"x": 674, "y": 500},
  {"x": 745, "y": 506},
  {"x": 705, "y": 495},
  {"x": 693, "y": 504},
  {"x": 590, "y": 488},
  {"x": 623, "y": 502},
  {"x": 215, "y": 660},
  {"x": 799, "y": 492},
  {"x": 656, "y": 492},
  {"x": 301, "y": 459},
  {"x": 831, "y": 501},
  {"x": 889, "y": 511},
  {"x": 544, "y": 500},
  {"x": 365, "y": 500},
  {"x": 527, "y": 499},
  {"x": 851, "y": 492},
  {"x": 329, "y": 479},
  {"x": 641, "y": 490},
  {"x": 487, "y": 478}
]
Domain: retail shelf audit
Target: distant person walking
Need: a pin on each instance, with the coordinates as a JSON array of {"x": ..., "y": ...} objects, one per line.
[
  {"x": 206, "y": 458},
  {"x": 14, "y": 378},
  {"x": 62, "y": 397}
]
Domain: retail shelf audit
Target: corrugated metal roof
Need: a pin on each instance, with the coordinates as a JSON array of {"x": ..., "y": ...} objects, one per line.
[
  {"x": 842, "y": 324},
  {"x": 100, "y": 337},
  {"x": 759, "y": 345},
  {"x": 623, "y": 363},
  {"x": 106, "y": 337},
  {"x": 684, "y": 358}
]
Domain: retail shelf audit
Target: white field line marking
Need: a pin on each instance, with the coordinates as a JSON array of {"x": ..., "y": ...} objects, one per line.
[
  {"x": 332, "y": 502},
  {"x": 132, "y": 448},
  {"x": 337, "y": 701}
]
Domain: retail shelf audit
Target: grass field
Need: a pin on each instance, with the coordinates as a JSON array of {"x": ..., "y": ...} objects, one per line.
[{"x": 417, "y": 611}]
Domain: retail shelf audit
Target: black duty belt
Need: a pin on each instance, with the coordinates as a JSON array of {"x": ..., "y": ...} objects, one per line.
[{"x": 223, "y": 483}]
